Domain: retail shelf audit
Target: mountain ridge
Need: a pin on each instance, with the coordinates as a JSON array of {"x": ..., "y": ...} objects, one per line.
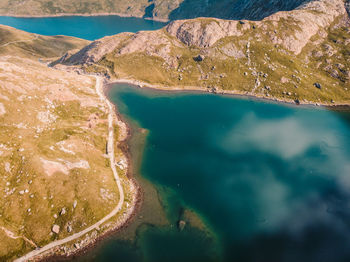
[
  {"x": 163, "y": 10},
  {"x": 254, "y": 56}
]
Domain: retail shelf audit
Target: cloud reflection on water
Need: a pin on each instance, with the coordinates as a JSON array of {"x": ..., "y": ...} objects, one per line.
[{"x": 312, "y": 158}]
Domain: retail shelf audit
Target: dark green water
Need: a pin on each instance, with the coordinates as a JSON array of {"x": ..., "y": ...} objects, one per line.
[{"x": 270, "y": 182}]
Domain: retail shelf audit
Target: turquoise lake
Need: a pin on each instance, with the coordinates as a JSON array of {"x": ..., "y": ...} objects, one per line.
[
  {"x": 271, "y": 182},
  {"x": 86, "y": 27},
  {"x": 254, "y": 181}
]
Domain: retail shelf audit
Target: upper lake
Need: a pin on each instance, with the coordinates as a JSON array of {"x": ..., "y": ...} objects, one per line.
[{"x": 86, "y": 27}]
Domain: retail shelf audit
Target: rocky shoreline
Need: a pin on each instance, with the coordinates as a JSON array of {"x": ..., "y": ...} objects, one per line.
[
  {"x": 237, "y": 93},
  {"x": 91, "y": 239}
]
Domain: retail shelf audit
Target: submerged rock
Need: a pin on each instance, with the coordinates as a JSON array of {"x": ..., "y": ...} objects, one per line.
[{"x": 181, "y": 225}]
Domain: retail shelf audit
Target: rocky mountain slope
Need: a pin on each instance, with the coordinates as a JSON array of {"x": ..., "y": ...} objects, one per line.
[
  {"x": 157, "y": 9},
  {"x": 300, "y": 55},
  {"x": 55, "y": 179}
]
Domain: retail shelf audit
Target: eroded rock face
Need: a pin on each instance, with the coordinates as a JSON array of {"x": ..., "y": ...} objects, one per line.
[
  {"x": 307, "y": 21},
  {"x": 93, "y": 52},
  {"x": 291, "y": 30},
  {"x": 153, "y": 43},
  {"x": 202, "y": 32}
]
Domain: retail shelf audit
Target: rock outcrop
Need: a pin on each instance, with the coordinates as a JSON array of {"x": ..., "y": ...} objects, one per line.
[
  {"x": 307, "y": 20},
  {"x": 94, "y": 51},
  {"x": 153, "y": 43},
  {"x": 291, "y": 30},
  {"x": 202, "y": 32}
]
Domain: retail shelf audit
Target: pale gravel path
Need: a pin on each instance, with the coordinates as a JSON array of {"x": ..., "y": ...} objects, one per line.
[
  {"x": 12, "y": 235},
  {"x": 99, "y": 91}
]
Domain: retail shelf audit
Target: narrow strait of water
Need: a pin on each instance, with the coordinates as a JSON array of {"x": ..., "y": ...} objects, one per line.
[{"x": 86, "y": 27}]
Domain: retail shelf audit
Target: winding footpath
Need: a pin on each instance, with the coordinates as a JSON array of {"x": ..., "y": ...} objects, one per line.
[
  {"x": 110, "y": 148},
  {"x": 12, "y": 235}
]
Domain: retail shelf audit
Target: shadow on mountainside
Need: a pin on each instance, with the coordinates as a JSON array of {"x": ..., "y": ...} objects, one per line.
[
  {"x": 347, "y": 6},
  {"x": 233, "y": 9}
]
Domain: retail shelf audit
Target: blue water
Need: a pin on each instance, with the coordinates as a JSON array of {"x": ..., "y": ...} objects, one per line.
[
  {"x": 272, "y": 182},
  {"x": 90, "y": 28}
]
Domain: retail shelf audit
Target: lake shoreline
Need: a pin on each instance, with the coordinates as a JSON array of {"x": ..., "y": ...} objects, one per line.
[
  {"x": 123, "y": 145},
  {"x": 89, "y": 241},
  {"x": 236, "y": 93},
  {"x": 87, "y": 15},
  {"x": 54, "y": 254}
]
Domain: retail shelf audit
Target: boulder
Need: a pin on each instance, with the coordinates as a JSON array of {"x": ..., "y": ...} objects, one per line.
[
  {"x": 56, "y": 229},
  {"x": 199, "y": 58},
  {"x": 181, "y": 225},
  {"x": 63, "y": 211},
  {"x": 318, "y": 85}
]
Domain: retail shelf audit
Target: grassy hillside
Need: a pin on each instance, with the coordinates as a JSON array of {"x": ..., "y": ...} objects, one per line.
[
  {"x": 53, "y": 168},
  {"x": 20, "y": 43}
]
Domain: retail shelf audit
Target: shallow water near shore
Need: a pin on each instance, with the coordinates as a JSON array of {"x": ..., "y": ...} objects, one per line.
[
  {"x": 254, "y": 180},
  {"x": 86, "y": 27}
]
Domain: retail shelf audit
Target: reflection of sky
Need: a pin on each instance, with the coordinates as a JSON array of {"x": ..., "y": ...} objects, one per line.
[
  {"x": 312, "y": 156},
  {"x": 287, "y": 138},
  {"x": 260, "y": 174}
]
